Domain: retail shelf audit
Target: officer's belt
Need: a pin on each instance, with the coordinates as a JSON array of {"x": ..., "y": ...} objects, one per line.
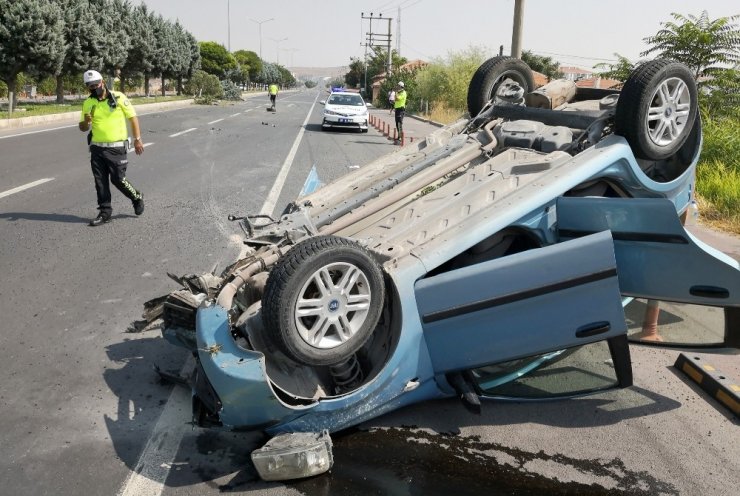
[{"x": 112, "y": 144}]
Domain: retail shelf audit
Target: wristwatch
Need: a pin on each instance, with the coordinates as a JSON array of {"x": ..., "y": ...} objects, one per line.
[{"x": 137, "y": 139}]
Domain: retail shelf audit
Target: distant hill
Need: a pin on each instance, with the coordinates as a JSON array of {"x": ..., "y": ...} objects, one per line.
[{"x": 318, "y": 72}]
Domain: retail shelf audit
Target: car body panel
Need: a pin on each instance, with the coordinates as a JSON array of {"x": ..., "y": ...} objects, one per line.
[
  {"x": 656, "y": 257},
  {"x": 521, "y": 305}
]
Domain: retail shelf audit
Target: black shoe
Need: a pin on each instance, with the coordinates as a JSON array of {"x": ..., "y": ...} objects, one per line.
[
  {"x": 102, "y": 218},
  {"x": 139, "y": 205}
]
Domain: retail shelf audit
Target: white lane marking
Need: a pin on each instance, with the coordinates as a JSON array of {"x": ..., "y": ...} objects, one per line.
[
  {"x": 234, "y": 115},
  {"x": 217, "y": 120},
  {"x": 25, "y": 187},
  {"x": 183, "y": 132},
  {"x": 148, "y": 144},
  {"x": 153, "y": 466},
  {"x": 39, "y": 131},
  {"x": 248, "y": 110},
  {"x": 272, "y": 197}
]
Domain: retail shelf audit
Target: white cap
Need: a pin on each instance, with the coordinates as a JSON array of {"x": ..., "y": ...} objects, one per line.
[
  {"x": 400, "y": 84},
  {"x": 91, "y": 76}
]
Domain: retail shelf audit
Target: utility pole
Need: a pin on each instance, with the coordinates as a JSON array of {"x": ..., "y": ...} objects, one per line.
[
  {"x": 228, "y": 22},
  {"x": 379, "y": 40},
  {"x": 398, "y": 32},
  {"x": 516, "y": 36}
]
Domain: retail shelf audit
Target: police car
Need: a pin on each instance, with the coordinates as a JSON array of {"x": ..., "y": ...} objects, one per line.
[{"x": 345, "y": 109}]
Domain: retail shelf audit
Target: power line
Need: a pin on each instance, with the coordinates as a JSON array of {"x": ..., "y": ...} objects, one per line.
[{"x": 538, "y": 52}]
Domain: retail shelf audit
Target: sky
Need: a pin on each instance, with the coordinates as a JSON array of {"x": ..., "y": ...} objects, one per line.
[{"x": 327, "y": 33}]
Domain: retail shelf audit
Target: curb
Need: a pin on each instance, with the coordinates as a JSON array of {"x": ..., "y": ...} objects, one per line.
[
  {"x": 711, "y": 380},
  {"x": 37, "y": 120},
  {"x": 388, "y": 130}
]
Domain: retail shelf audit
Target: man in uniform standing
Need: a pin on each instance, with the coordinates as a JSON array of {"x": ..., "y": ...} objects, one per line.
[
  {"x": 400, "y": 107},
  {"x": 273, "y": 90},
  {"x": 107, "y": 111}
]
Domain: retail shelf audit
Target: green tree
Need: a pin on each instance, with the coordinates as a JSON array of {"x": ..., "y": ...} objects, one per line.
[
  {"x": 215, "y": 59},
  {"x": 250, "y": 63},
  {"x": 286, "y": 77},
  {"x": 270, "y": 74},
  {"x": 706, "y": 46},
  {"x": 620, "y": 71},
  {"x": 355, "y": 78},
  {"x": 82, "y": 36},
  {"x": 31, "y": 38},
  {"x": 143, "y": 52},
  {"x": 181, "y": 56},
  {"x": 377, "y": 64},
  {"x": 710, "y": 48},
  {"x": 202, "y": 84},
  {"x": 113, "y": 17},
  {"x": 543, "y": 65}
]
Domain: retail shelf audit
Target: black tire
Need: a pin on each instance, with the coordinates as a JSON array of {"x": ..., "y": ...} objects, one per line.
[
  {"x": 668, "y": 88},
  {"x": 299, "y": 280},
  {"x": 489, "y": 77}
]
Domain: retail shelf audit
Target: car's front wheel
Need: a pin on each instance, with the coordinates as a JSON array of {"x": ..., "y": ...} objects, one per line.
[
  {"x": 657, "y": 108},
  {"x": 323, "y": 300}
]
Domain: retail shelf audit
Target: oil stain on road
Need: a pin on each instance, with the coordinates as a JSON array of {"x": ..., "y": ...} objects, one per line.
[{"x": 408, "y": 461}]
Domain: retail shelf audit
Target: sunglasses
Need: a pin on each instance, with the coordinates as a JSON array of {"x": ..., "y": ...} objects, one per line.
[{"x": 92, "y": 86}]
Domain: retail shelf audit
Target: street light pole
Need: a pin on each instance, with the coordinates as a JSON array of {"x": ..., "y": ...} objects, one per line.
[
  {"x": 292, "y": 51},
  {"x": 259, "y": 23},
  {"x": 277, "y": 48},
  {"x": 228, "y": 22}
]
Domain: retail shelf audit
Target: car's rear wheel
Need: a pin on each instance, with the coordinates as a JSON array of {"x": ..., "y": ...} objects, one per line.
[
  {"x": 323, "y": 300},
  {"x": 657, "y": 108},
  {"x": 491, "y": 75}
]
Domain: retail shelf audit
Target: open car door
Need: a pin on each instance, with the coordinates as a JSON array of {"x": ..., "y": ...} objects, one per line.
[
  {"x": 657, "y": 259},
  {"x": 523, "y": 305}
]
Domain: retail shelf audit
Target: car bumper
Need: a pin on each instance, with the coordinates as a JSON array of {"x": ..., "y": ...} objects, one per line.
[{"x": 347, "y": 122}]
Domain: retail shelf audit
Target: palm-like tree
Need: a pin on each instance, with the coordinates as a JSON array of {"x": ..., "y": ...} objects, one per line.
[{"x": 706, "y": 46}]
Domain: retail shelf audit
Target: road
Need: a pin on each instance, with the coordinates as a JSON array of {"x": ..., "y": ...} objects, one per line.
[{"x": 85, "y": 413}]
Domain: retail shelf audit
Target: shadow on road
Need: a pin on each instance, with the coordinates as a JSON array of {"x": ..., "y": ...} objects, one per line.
[
  {"x": 72, "y": 219},
  {"x": 216, "y": 458}
]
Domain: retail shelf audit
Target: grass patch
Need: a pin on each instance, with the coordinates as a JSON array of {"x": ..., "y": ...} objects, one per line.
[
  {"x": 718, "y": 174},
  {"x": 443, "y": 114},
  {"x": 46, "y": 108}
]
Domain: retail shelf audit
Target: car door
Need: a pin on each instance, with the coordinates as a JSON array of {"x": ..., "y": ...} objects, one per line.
[
  {"x": 657, "y": 259},
  {"x": 521, "y": 305}
]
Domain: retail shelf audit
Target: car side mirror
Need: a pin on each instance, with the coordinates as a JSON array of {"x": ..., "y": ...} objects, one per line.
[{"x": 323, "y": 102}]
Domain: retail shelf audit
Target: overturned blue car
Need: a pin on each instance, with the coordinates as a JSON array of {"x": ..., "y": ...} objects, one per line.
[{"x": 493, "y": 259}]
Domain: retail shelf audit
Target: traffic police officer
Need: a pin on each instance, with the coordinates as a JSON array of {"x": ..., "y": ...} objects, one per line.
[
  {"x": 400, "y": 107},
  {"x": 273, "y": 91},
  {"x": 107, "y": 111}
]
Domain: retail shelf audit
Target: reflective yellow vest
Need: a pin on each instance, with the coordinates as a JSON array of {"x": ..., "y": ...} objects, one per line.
[{"x": 400, "y": 99}]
